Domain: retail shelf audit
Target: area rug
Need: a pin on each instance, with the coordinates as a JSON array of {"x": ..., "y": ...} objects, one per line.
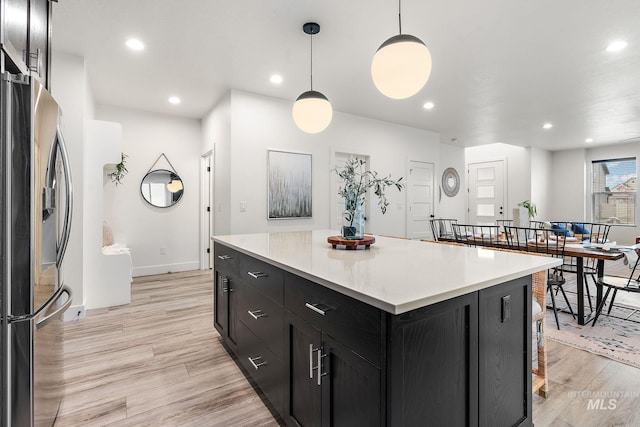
[{"x": 616, "y": 337}]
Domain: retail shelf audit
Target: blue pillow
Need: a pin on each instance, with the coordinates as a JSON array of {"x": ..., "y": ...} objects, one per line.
[
  {"x": 561, "y": 230},
  {"x": 579, "y": 229}
]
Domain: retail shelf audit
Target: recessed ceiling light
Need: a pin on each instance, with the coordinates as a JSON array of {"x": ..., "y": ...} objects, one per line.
[
  {"x": 174, "y": 100},
  {"x": 616, "y": 46},
  {"x": 588, "y": 140},
  {"x": 428, "y": 105},
  {"x": 276, "y": 79},
  {"x": 135, "y": 44},
  {"x": 547, "y": 126}
]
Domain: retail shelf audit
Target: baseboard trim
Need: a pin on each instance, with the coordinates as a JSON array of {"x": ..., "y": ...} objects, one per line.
[{"x": 165, "y": 268}]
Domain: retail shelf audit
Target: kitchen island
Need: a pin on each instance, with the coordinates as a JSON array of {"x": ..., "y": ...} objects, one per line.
[{"x": 403, "y": 333}]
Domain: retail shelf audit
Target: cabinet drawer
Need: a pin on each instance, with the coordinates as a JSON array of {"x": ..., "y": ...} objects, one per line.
[
  {"x": 263, "y": 366},
  {"x": 262, "y": 316},
  {"x": 352, "y": 322},
  {"x": 226, "y": 260},
  {"x": 264, "y": 277}
]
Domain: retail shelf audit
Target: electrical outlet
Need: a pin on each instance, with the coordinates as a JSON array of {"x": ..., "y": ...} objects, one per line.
[
  {"x": 163, "y": 250},
  {"x": 243, "y": 206}
]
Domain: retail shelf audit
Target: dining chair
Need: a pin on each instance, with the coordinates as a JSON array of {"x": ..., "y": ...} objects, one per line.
[
  {"x": 542, "y": 241},
  {"x": 477, "y": 235},
  {"x": 625, "y": 284},
  {"x": 590, "y": 233},
  {"x": 442, "y": 228}
]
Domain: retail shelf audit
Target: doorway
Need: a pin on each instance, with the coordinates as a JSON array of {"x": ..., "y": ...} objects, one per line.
[
  {"x": 419, "y": 199},
  {"x": 486, "y": 192},
  {"x": 206, "y": 212}
]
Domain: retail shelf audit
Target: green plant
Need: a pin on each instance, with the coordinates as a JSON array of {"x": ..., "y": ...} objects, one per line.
[
  {"x": 357, "y": 180},
  {"x": 531, "y": 207},
  {"x": 121, "y": 170}
]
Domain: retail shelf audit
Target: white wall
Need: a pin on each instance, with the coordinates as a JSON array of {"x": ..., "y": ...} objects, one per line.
[
  {"x": 107, "y": 278},
  {"x": 259, "y": 123},
  {"x": 144, "y": 228},
  {"x": 518, "y": 170},
  {"x": 452, "y": 207},
  {"x": 71, "y": 89},
  {"x": 541, "y": 181},
  {"x": 216, "y": 130},
  {"x": 568, "y": 186}
]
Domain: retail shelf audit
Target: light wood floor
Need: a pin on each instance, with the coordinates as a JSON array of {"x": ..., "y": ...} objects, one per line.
[{"x": 159, "y": 362}]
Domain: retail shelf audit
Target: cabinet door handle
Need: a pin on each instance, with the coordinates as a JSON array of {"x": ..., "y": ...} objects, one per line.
[
  {"x": 224, "y": 257},
  {"x": 311, "y": 367},
  {"x": 257, "y": 274},
  {"x": 225, "y": 285},
  {"x": 253, "y": 360},
  {"x": 315, "y": 307},
  {"x": 320, "y": 373},
  {"x": 256, "y": 314}
]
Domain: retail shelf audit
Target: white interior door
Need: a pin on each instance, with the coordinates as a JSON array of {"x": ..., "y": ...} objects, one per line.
[
  {"x": 419, "y": 199},
  {"x": 206, "y": 211},
  {"x": 339, "y": 160},
  {"x": 486, "y": 192}
]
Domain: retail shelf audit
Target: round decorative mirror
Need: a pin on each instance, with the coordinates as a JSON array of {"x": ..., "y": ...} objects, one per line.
[
  {"x": 161, "y": 188},
  {"x": 450, "y": 182}
]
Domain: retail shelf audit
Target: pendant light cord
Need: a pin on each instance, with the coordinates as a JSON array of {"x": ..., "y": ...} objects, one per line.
[
  {"x": 399, "y": 17},
  {"x": 311, "y": 66}
]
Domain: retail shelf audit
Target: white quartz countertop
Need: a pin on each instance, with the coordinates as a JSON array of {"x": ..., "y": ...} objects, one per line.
[{"x": 395, "y": 275}]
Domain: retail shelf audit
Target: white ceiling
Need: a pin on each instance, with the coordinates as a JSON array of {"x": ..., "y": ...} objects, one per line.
[{"x": 501, "y": 68}]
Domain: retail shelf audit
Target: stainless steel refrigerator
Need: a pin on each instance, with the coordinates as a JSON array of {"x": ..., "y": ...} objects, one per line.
[{"x": 36, "y": 201}]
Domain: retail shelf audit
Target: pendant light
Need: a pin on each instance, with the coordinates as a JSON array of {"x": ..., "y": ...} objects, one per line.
[
  {"x": 312, "y": 110},
  {"x": 401, "y": 66}
]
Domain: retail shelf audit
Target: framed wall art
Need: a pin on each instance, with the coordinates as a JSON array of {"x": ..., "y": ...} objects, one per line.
[{"x": 289, "y": 184}]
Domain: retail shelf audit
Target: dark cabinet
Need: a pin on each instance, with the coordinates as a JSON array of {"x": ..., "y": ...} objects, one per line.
[
  {"x": 325, "y": 359},
  {"x": 433, "y": 360},
  {"x": 327, "y": 383},
  {"x": 26, "y": 36},
  {"x": 225, "y": 287}
]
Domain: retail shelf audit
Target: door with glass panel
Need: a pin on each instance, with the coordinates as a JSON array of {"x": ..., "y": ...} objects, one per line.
[{"x": 486, "y": 192}]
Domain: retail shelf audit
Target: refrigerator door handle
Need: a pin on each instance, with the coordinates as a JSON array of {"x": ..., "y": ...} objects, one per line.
[
  {"x": 66, "y": 228},
  {"x": 40, "y": 323}
]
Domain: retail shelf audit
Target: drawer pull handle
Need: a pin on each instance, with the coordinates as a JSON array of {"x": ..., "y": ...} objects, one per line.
[
  {"x": 257, "y": 274},
  {"x": 256, "y": 314},
  {"x": 253, "y": 360},
  {"x": 224, "y": 257},
  {"x": 315, "y": 307}
]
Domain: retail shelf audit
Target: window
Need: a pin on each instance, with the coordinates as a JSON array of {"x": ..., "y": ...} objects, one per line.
[{"x": 613, "y": 190}]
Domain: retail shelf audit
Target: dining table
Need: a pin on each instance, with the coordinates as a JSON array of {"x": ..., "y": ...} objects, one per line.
[{"x": 576, "y": 250}]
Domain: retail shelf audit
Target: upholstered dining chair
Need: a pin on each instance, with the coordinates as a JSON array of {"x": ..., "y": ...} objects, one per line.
[
  {"x": 542, "y": 241},
  {"x": 618, "y": 284}
]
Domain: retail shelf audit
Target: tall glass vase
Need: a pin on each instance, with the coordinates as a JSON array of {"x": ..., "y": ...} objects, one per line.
[{"x": 353, "y": 219}]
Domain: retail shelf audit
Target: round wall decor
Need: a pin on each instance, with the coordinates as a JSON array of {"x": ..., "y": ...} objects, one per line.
[{"x": 450, "y": 182}]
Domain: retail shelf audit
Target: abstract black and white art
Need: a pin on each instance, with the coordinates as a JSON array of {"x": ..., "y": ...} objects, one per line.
[{"x": 289, "y": 185}]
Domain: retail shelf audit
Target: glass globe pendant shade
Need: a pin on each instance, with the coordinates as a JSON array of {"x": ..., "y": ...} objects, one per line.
[
  {"x": 401, "y": 66},
  {"x": 312, "y": 112}
]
